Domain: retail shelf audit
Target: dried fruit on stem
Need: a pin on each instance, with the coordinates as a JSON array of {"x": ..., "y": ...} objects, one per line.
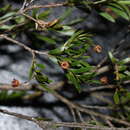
[
  {"x": 64, "y": 64},
  {"x": 97, "y": 49},
  {"x": 15, "y": 83}
]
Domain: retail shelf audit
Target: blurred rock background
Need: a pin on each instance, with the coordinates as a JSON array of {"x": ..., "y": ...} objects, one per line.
[{"x": 15, "y": 63}]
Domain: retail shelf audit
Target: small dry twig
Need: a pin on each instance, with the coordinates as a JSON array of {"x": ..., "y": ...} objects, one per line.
[
  {"x": 27, "y": 86},
  {"x": 51, "y": 5},
  {"x": 87, "y": 111},
  {"x": 32, "y": 51},
  {"x": 48, "y": 124}
]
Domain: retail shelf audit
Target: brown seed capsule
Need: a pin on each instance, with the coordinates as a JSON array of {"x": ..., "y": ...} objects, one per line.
[
  {"x": 15, "y": 83},
  {"x": 64, "y": 65},
  {"x": 104, "y": 80},
  {"x": 97, "y": 49},
  {"x": 110, "y": 12}
]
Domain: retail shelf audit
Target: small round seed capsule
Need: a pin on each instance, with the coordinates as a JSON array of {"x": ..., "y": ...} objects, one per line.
[
  {"x": 104, "y": 80},
  {"x": 97, "y": 49},
  {"x": 15, "y": 83},
  {"x": 64, "y": 65}
]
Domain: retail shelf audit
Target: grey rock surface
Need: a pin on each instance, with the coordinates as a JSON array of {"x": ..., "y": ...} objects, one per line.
[
  {"x": 12, "y": 123},
  {"x": 15, "y": 63}
]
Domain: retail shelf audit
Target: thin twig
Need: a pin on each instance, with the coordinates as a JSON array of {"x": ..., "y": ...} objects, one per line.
[
  {"x": 47, "y": 124},
  {"x": 102, "y": 62},
  {"x": 27, "y": 86},
  {"x": 17, "y": 115},
  {"x": 25, "y": 4},
  {"x": 79, "y": 115},
  {"x": 84, "y": 110},
  {"x": 51, "y": 5},
  {"x": 99, "y": 88},
  {"x": 101, "y": 98},
  {"x": 29, "y": 17},
  {"x": 21, "y": 87},
  {"x": 102, "y": 70},
  {"x": 87, "y": 111},
  {"x": 98, "y": 107},
  {"x": 73, "y": 113},
  {"x": 32, "y": 51},
  {"x": 109, "y": 123}
]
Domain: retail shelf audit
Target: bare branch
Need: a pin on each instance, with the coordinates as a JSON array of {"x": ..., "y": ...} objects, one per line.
[
  {"x": 22, "y": 87},
  {"x": 48, "y": 124},
  {"x": 51, "y": 5},
  {"x": 102, "y": 70},
  {"x": 98, "y": 88},
  {"x": 17, "y": 115},
  {"x": 32, "y": 51},
  {"x": 73, "y": 114},
  {"x": 87, "y": 111},
  {"x": 98, "y": 107},
  {"x": 27, "y": 86}
]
